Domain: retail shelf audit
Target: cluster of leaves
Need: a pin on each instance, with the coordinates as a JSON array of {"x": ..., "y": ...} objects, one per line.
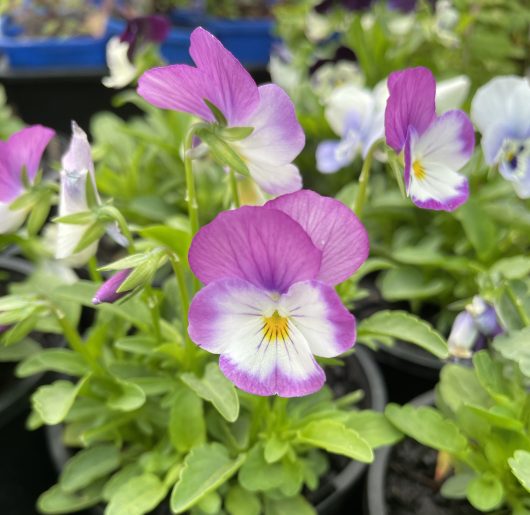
[
  {"x": 482, "y": 417},
  {"x": 157, "y": 420}
]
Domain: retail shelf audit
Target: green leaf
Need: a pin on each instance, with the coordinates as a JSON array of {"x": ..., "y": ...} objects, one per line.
[
  {"x": 53, "y": 402},
  {"x": 186, "y": 431},
  {"x": 222, "y": 152},
  {"x": 485, "y": 492},
  {"x": 373, "y": 427},
  {"x": 63, "y": 361},
  {"x": 210, "y": 504},
  {"x": 520, "y": 465},
  {"x": 92, "y": 234},
  {"x": 56, "y": 501},
  {"x": 490, "y": 376},
  {"x": 205, "y": 469},
  {"x": 404, "y": 326},
  {"x": 88, "y": 465},
  {"x": 19, "y": 351},
  {"x": 131, "y": 261},
  {"x": 275, "y": 449},
  {"x": 138, "y": 496},
  {"x": 515, "y": 267},
  {"x": 38, "y": 214},
  {"x": 427, "y": 426},
  {"x": 214, "y": 387},
  {"x": 294, "y": 505},
  {"x": 256, "y": 475},
  {"x": 455, "y": 487},
  {"x": 129, "y": 396},
  {"x": 81, "y": 218},
  {"x": 335, "y": 437},
  {"x": 408, "y": 283},
  {"x": 239, "y": 501},
  {"x": 141, "y": 275},
  {"x": 177, "y": 240},
  {"x": 478, "y": 226},
  {"x": 515, "y": 346},
  {"x": 122, "y": 476}
]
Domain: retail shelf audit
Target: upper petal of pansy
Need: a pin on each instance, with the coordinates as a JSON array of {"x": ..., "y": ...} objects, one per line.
[
  {"x": 219, "y": 77},
  {"x": 263, "y": 246},
  {"x": 262, "y": 350},
  {"x": 433, "y": 159},
  {"x": 10, "y": 184},
  {"x": 503, "y": 99},
  {"x": 411, "y": 103},
  {"x": 333, "y": 228},
  {"x": 24, "y": 149}
]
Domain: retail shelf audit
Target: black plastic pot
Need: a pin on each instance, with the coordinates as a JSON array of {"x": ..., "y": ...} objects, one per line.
[
  {"x": 375, "y": 501},
  {"x": 341, "y": 489}
]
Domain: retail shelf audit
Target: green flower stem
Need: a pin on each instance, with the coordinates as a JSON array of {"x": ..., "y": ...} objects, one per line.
[
  {"x": 193, "y": 206},
  {"x": 363, "y": 180},
  {"x": 75, "y": 341},
  {"x": 185, "y": 305},
  {"x": 154, "y": 310},
  {"x": 93, "y": 271},
  {"x": 233, "y": 188}
]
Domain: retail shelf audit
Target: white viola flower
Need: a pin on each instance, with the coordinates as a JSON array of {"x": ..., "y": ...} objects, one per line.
[
  {"x": 122, "y": 71},
  {"x": 77, "y": 170},
  {"x": 451, "y": 93},
  {"x": 501, "y": 112},
  {"x": 357, "y": 115}
]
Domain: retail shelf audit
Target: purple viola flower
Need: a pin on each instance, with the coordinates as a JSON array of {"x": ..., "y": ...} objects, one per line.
[
  {"x": 501, "y": 112},
  {"x": 269, "y": 305},
  {"x": 108, "y": 292},
  {"x": 144, "y": 29},
  {"x": 22, "y": 151},
  {"x": 435, "y": 147},
  {"x": 220, "y": 78},
  {"x": 485, "y": 317}
]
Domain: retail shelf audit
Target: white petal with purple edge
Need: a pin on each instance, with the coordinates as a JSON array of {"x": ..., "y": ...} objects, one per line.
[
  {"x": 275, "y": 179},
  {"x": 262, "y": 350}
]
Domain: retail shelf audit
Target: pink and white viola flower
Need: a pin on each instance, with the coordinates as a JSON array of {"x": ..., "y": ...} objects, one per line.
[
  {"x": 218, "y": 77},
  {"x": 22, "y": 151},
  {"x": 269, "y": 305},
  {"x": 77, "y": 170},
  {"x": 501, "y": 112},
  {"x": 435, "y": 147}
]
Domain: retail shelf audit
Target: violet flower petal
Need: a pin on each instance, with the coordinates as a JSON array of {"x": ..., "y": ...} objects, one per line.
[
  {"x": 108, "y": 290},
  {"x": 333, "y": 228},
  {"x": 262, "y": 246},
  {"x": 219, "y": 77},
  {"x": 411, "y": 103}
]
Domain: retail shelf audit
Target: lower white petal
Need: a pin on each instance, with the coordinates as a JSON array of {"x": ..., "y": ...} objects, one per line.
[
  {"x": 274, "y": 179},
  {"x": 11, "y": 220}
]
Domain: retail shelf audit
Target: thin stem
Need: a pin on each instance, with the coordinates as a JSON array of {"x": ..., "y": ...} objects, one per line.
[
  {"x": 233, "y": 188},
  {"x": 75, "y": 341},
  {"x": 193, "y": 206},
  {"x": 93, "y": 271},
  {"x": 152, "y": 304},
  {"x": 363, "y": 180}
]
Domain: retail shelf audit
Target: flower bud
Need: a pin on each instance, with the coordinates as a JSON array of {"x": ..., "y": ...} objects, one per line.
[
  {"x": 485, "y": 317},
  {"x": 464, "y": 336},
  {"x": 108, "y": 292}
]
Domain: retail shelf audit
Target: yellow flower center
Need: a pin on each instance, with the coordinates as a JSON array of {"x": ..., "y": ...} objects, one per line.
[
  {"x": 419, "y": 171},
  {"x": 275, "y": 328}
]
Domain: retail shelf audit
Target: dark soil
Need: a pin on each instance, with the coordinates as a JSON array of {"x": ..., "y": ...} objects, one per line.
[{"x": 410, "y": 487}]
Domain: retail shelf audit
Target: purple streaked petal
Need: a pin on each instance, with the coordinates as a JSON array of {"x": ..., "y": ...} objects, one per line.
[
  {"x": 23, "y": 149},
  {"x": 411, "y": 103},
  {"x": 219, "y": 78},
  {"x": 10, "y": 184},
  {"x": 277, "y": 137},
  {"x": 263, "y": 246},
  {"x": 318, "y": 313},
  {"x": 227, "y": 317},
  {"x": 333, "y": 228},
  {"x": 108, "y": 292}
]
